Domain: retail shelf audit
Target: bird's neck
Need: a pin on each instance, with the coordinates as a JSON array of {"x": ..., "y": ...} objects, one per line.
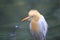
[{"x": 34, "y": 23}]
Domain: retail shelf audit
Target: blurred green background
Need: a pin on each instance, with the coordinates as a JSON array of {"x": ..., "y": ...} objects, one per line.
[{"x": 12, "y": 11}]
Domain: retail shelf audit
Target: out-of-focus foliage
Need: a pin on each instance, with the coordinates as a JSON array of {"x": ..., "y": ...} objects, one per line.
[{"x": 12, "y": 11}]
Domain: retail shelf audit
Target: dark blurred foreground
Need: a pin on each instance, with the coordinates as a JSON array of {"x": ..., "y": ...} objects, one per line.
[{"x": 12, "y": 11}]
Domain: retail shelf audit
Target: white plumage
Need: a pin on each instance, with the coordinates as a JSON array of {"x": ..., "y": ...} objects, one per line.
[{"x": 43, "y": 24}]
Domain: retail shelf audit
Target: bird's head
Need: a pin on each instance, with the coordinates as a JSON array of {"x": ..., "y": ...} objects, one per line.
[{"x": 33, "y": 14}]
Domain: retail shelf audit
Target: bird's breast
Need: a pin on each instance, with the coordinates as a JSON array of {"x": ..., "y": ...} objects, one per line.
[{"x": 34, "y": 26}]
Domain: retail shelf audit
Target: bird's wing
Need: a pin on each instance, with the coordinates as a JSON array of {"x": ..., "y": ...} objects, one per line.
[{"x": 43, "y": 25}]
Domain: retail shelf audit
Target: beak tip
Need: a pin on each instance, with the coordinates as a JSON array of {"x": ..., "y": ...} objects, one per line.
[{"x": 21, "y": 20}]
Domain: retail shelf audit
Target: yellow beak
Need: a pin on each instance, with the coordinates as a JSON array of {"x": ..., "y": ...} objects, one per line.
[{"x": 24, "y": 19}]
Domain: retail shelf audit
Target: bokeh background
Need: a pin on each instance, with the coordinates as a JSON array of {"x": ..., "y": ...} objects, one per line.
[{"x": 12, "y": 11}]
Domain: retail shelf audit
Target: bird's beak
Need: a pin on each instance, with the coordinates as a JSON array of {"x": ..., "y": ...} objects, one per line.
[{"x": 24, "y": 19}]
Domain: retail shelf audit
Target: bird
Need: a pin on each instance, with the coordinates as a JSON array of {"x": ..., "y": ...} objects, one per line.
[{"x": 38, "y": 24}]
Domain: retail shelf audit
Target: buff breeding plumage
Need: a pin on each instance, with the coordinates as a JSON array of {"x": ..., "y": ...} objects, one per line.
[{"x": 38, "y": 25}]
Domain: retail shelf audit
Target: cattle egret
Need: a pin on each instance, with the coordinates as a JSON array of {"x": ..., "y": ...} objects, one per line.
[{"x": 38, "y": 25}]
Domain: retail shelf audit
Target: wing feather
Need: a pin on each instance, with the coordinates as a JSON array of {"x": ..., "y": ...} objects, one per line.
[{"x": 43, "y": 25}]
